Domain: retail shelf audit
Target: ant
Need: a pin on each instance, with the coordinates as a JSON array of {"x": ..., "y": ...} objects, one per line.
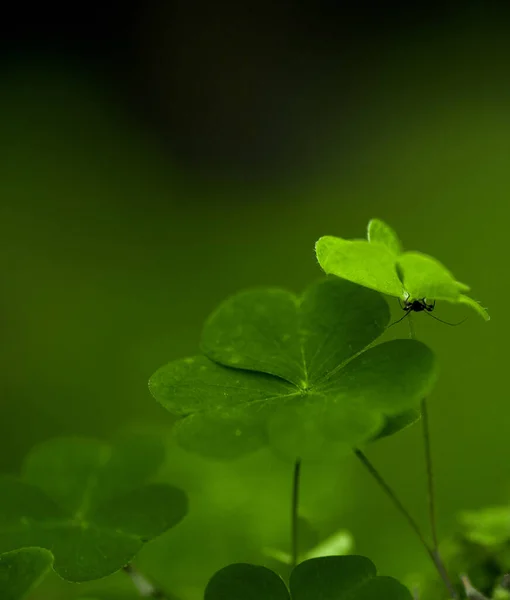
[
  {"x": 416, "y": 305},
  {"x": 420, "y": 305}
]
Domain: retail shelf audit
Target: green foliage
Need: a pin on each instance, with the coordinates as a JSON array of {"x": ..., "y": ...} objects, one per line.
[
  {"x": 489, "y": 527},
  {"x": 480, "y": 548},
  {"x": 380, "y": 264},
  {"x": 22, "y": 570},
  {"x": 89, "y": 503},
  {"x": 248, "y": 582},
  {"x": 337, "y": 544},
  {"x": 379, "y": 232},
  {"x": 328, "y": 578},
  {"x": 299, "y": 373}
]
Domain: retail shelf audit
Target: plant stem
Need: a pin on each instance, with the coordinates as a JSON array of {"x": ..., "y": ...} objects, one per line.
[
  {"x": 430, "y": 474},
  {"x": 295, "y": 513},
  {"x": 391, "y": 494},
  {"x": 433, "y": 554},
  {"x": 428, "y": 462}
]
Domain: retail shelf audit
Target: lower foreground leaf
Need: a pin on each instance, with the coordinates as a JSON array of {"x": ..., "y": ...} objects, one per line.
[
  {"x": 343, "y": 578},
  {"x": 22, "y": 570},
  {"x": 89, "y": 503},
  {"x": 326, "y": 578}
]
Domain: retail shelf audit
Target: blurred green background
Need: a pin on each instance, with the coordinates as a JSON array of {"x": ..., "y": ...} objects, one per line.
[{"x": 153, "y": 162}]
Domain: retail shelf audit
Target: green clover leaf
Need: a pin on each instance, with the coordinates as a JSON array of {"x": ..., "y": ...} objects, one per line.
[
  {"x": 489, "y": 527},
  {"x": 89, "y": 504},
  {"x": 22, "y": 570},
  {"x": 246, "y": 582},
  {"x": 298, "y": 373},
  {"x": 379, "y": 263},
  {"x": 327, "y": 578}
]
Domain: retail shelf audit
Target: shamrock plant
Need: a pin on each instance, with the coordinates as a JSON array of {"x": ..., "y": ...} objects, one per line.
[
  {"x": 379, "y": 263},
  {"x": 22, "y": 570},
  {"x": 89, "y": 504},
  {"x": 300, "y": 373},
  {"x": 305, "y": 375}
]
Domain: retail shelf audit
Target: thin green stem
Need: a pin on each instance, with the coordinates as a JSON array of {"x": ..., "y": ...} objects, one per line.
[
  {"x": 393, "y": 497},
  {"x": 433, "y": 554},
  {"x": 430, "y": 474},
  {"x": 296, "y": 480},
  {"x": 431, "y": 496}
]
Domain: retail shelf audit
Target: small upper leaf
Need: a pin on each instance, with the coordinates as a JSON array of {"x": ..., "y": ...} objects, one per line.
[
  {"x": 89, "y": 503},
  {"x": 22, "y": 570},
  {"x": 380, "y": 232},
  {"x": 327, "y": 578},
  {"x": 425, "y": 277},
  {"x": 304, "y": 380},
  {"x": 370, "y": 265},
  {"x": 380, "y": 264}
]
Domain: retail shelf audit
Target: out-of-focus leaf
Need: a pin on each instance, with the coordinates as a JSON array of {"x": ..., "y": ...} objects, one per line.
[
  {"x": 89, "y": 503},
  {"x": 246, "y": 582},
  {"x": 343, "y": 578},
  {"x": 488, "y": 527},
  {"x": 328, "y": 578},
  {"x": 22, "y": 570}
]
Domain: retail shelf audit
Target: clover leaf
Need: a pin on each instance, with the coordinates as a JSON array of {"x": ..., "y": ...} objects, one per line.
[
  {"x": 249, "y": 582},
  {"x": 488, "y": 527},
  {"x": 22, "y": 570},
  {"x": 298, "y": 373},
  {"x": 327, "y": 578},
  {"x": 379, "y": 263},
  {"x": 88, "y": 503}
]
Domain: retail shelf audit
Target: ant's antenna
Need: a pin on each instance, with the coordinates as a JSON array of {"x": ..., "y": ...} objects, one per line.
[{"x": 445, "y": 322}]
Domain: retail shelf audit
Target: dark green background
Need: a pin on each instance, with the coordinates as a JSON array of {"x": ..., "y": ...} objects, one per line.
[{"x": 123, "y": 226}]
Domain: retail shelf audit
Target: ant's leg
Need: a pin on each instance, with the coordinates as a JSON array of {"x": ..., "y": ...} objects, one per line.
[
  {"x": 407, "y": 313},
  {"x": 430, "y": 307}
]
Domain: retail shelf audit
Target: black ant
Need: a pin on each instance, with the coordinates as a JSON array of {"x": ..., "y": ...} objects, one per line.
[
  {"x": 420, "y": 305},
  {"x": 416, "y": 305}
]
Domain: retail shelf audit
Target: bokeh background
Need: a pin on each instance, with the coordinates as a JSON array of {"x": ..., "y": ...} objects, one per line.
[{"x": 158, "y": 157}]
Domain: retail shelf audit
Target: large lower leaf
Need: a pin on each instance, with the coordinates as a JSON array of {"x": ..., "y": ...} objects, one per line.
[
  {"x": 22, "y": 570},
  {"x": 301, "y": 374},
  {"x": 89, "y": 503},
  {"x": 300, "y": 339}
]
